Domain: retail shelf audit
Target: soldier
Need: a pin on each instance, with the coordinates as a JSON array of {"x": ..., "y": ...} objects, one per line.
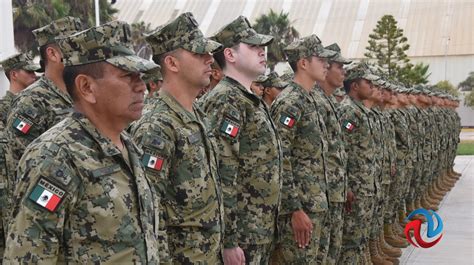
[
  {"x": 249, "y": 150},
  {"x": 46, "y": 102},
  {"x": 82, "y": 193},
  {"x": 304, "y": 208},
  {"x": 215, "y": 78},
  {"x": 20, "y": 72},
  {"x": 336, "y": 156},
  {"x": 257, "y": 85},
  {"x": 360, "y": 149},
  {"x": 272, "y": 87},
  {"x": 179, "y": 157},
  {"x": 153, "y": 82}
]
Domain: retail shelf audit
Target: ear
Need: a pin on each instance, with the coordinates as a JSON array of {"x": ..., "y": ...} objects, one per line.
[
  {"x": 86, "y": 87},
  {"x": 230, "y": 55},
  {"x": 13, "y": 75},
  {"x": 302, "y": 63},
  {"x": 171, "y": 63},
  {"x": 54, "y": 54}
]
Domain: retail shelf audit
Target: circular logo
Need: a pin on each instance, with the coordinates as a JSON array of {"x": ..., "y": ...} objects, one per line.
[{"x": 431, "y": 231}]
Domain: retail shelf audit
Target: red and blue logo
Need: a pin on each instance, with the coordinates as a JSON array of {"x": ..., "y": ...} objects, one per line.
[{"x": 432, "y": 233}]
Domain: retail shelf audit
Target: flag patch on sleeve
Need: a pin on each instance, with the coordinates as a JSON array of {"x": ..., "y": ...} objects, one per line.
[
  {"x": 229, "y": 129},
  {"x": 287, "y": 121},
  {"x": 21, "y": 125},
  {"x": 349, "y": 126},
  {"x": 47, "y": 195},
  {"x": 152, "y": 162}
]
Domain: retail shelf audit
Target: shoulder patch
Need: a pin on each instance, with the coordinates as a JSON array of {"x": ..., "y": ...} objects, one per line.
[
  {"x": 154, "y": 141},
  {"x": 349, "y": 126},
  {"x": 287, "y": 121},
  {"x": 22, "y": 125},
  {"x": 153, "y": 162},
  {"x": 47, "y": 195},
  {"x": 229, "y": 128}
]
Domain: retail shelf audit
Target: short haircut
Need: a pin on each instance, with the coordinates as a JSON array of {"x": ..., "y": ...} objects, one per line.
[
  {"x": 7, "y": 74},
  {"x": 160, "y": 60},
  {"x": 43, "y": 55},
  {"x": 94, "y": 70},
  {"x": 294, "y": 64},
  {"x": 220, "y": 58},
  {"x": 348, "y": 83}
]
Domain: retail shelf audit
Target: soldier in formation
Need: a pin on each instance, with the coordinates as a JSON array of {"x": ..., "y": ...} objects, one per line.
[{"x": 223, "y": 164}]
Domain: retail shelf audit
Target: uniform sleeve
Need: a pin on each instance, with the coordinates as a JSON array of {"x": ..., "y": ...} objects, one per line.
[
  {"x": 287, "y": 121},
  {"x": 158, "y": 153},
  {"x": 46, "y": 192},
  {"x": 226, "y": 122}
]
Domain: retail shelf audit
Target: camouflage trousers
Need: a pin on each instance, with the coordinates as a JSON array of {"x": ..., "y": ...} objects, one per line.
[
  {"x": 288, "y": 252},
  {"x": 379, "y": 209},
  {"x": 356, "y": 229},
  {"x": 397, "y": 191},
  {"x": 195, "y": 246},
  {"x": 416, "y": 182},
  {"x": 257, "y": 254},
  {"x": 336, "y": 215}
]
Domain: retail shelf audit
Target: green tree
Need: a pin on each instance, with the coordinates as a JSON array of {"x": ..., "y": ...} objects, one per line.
[
  {"x": 279, "y": 26},
  {"x": 446, "y": 86},
  {"x": 32, "y": 14},
  {"x": 388, "y": 46},
  {"x": 469, "y": 99},
  {"x": 468, "y": 84}
]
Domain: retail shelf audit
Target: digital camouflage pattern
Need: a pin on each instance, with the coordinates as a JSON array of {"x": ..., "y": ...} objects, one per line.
[
  {"x": 19, "y": 61},
  {"x": 57, "y": 29},
  {"x": 5, "y": 104},
  {"x": 182, "y": 32},
  {"x": 338, "y": 57},
  {"x": 273, "y": 80},
  {"x": 3, "y": 192},
  {"x": 106, "y": 211},
  {"x": 304, "y": 143},
  {"x": 186, "y": 179},
  {"x": 240, "y": 30},
  {"x": 249, "y": 163},
  {"x": 110, "y": 42},
  {"x": 40, "y": 106},
  {"x": 307, "y": 47}
]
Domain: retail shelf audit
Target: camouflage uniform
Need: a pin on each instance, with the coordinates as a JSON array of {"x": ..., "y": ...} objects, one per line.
[
  {"x": 18, "y": 61},
  {"x": 360, "y": 148},
  {"x": 81, "y": 199},
  {"x": 39, "y": 107},
  {"x": 180, "y": 159},
  {"x": 249, "y": 155}
]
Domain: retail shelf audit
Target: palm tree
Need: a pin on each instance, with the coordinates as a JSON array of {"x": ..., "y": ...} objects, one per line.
[
  {"x": 32, "y": 14},
  {"x": 279, "y": 26}
]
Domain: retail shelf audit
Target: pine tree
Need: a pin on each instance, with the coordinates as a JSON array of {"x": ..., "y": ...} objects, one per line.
[{"x": 388, "y": 47}]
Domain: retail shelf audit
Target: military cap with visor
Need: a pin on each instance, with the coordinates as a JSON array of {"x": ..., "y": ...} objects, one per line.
[
  {"x": 360, "y": 71},
  {"x": 307, "y": 47},
  {"x": 21, "y": 61},
  {"x": 110, "y": 42},
  {"x": 338, "y": 57},
  {"x": 239, "y": 31},
  {"x": 60, "y": 28},
  {"x": 182, "y": 32},
  {"x": 275, "y": 81}
]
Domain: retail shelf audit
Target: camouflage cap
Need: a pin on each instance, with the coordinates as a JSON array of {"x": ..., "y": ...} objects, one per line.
[
  {"x": 360, "y": 70},
  {"x": 273, "y": 80},
  {"x": 60, "y": 28},
  {"x": 20, "y": 61},
  {"x": 238, "y": 31},
  {"x": 153, "y": 76},
  {"x": 182, "y": 32},
  {"x": 287, "y": 76},
  {"x": 110, "y": 42},
  {"x": 306, "y": 47},
  {"x": 261, "y": 79},
  {"x": 338, "y": 57}
]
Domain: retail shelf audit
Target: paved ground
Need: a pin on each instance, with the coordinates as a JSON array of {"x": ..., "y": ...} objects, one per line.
[{"x": 457, "y": 213}]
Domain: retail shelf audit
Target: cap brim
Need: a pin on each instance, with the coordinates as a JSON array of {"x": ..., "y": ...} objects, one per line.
[
  {"x": 325, "y": 53},
  {"x": 258, "y": 39},
  {"x": 280, "y": 84},
  {"x": 203, "y": 46},
  {"x": 132, "y": 63},
  {"x": 339, "y": 59},
  {"x": 370, "y": 77},
  {"x": 32, "y": 67}
]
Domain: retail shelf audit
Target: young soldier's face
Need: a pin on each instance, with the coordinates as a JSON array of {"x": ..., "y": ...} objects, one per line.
[
  {"x": 195, "y": 68},
  {"x": 365, "y": 89},
  {"x": 25, "y": 78},
  {"x": 318, "y": 68},
  {"x": 336, "y": 74},
  {"x": 250, "y": 60}
]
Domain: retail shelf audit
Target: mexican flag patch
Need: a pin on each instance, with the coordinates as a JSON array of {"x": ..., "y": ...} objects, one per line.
[
  {"x": 152, "y": 162},
  {"x": 348, "y": 126},
  {"x": 229, "y": 129},
  {"x": 21, "y": 125},
  {"x": 288, "y": 121},
  {"x": 47, "y": 195}
]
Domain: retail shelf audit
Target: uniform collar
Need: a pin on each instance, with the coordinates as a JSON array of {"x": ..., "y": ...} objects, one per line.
[
  {"x": 234, "y": 83},
  {"x": 55, "y": 89},
  {"x": 173, "y": 104}
]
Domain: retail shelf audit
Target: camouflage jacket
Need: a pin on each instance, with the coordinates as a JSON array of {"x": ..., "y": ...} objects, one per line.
[
  {"x": 249, "y": 162},
  {"x": 390, "y": 155},
  {"x": 335, "y": 157},
  {"x": 303, "y": 139},
  {"x": 360, "y": 147},
  {"x": 81, "y": 201},
  {"x": 5, "y": 104},
  {"x": 376, "y": 120},
  {"x": 33, "y": 111},
  {"x": 402, "y": 135},
  {"x": 181, "y": 163}
]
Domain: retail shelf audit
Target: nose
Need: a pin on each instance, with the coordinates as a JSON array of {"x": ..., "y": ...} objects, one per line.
[{"x": 208, "y": 58}]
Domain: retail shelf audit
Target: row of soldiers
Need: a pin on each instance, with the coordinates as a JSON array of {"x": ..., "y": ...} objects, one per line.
[{"x": 309, "y": 175}]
